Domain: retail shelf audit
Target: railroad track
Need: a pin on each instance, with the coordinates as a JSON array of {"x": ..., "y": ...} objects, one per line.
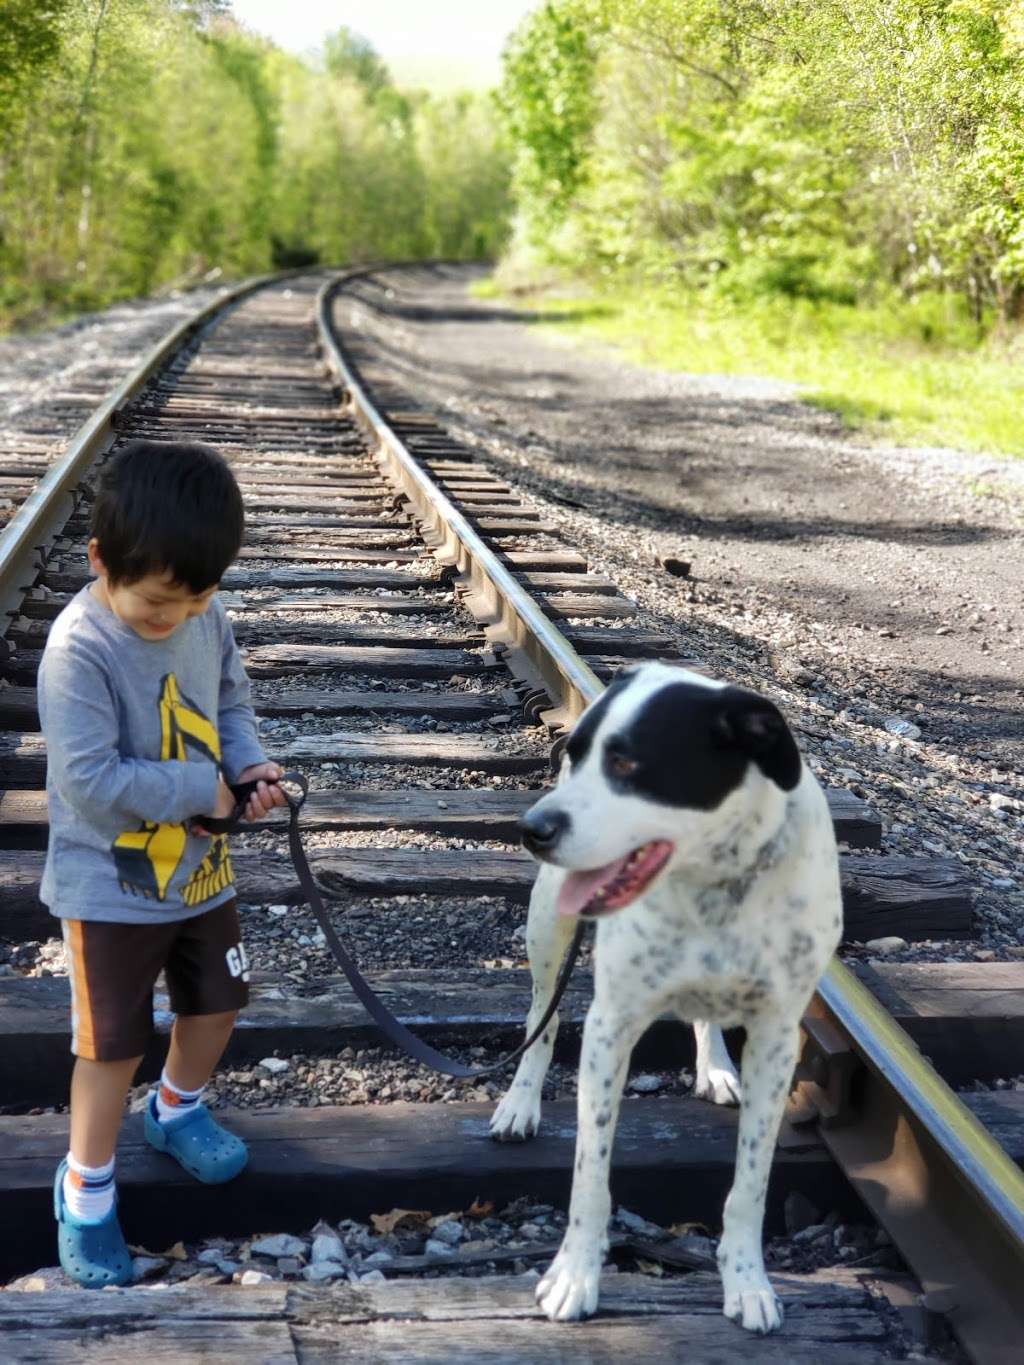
[{"x": 418, "y": 638}]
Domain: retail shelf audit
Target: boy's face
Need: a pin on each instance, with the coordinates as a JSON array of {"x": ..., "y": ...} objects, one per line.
[{"x": 153, "y": 606}]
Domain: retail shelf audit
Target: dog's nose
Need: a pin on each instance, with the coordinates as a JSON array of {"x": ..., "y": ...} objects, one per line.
[{"x": 542, "y": 829}]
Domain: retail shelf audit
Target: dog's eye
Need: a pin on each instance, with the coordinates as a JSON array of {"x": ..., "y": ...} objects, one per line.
[{"x": 621, "y": 765}]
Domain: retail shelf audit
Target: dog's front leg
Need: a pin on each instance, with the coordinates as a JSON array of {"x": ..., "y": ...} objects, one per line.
[
  {"x": 717, "y": 1078},
  {"x": 570, "y": 1287},
  {"x": 517, "y": 1116},
  {"x": 768, "y": 1060}
]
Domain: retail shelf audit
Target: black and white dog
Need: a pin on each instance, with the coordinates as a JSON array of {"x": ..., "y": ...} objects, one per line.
[{"x": 687, "y": 824}]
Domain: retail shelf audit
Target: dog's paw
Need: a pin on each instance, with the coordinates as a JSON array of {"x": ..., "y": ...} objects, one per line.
[
  {"x": 517, "y": 1116},
  {"x": 721, "y": 1085},
  {"x": 570, "y": 1288},
  {"x": 756, "y": 1308}
]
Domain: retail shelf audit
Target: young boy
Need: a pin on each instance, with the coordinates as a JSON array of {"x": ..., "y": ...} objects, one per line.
[{"x": 147, "y": 716}]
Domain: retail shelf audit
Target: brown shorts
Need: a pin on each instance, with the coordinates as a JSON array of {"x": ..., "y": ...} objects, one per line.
[{"x": 113, "y": 968}]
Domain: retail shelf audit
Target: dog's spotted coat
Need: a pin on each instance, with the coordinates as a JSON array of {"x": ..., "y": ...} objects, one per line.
[{"x": 735, "y": 928}]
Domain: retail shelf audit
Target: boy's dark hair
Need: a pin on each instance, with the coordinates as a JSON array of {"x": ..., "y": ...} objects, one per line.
[{"x": 168, "y": 506}]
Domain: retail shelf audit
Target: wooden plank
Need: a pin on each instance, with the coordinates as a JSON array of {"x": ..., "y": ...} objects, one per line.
[
  {"x": 41, "y": 611},
  {"x": 305, "y": 1164},
  {"x": 894, "y": 898},
  {"x": 493, "y": 1320},
  {"x": 966, "y": 1017},
  {"x": 569, "y": 582},
  {"x": 328, "y": 554},
  {"x": 251, "y": 631},
  {"x": 509, "y": 526},
  {"x": 545, "y": 561},
  {"x": 916, "y": 898},
  {"x": 80, "y": 1343},
  {"x": 395, "y": 636},
  {"x": 19, "y": 705},
  {"x": 567, "y": 604},
  {"x": 642, "y": 644},
  {"x": 23, "y": 756},
  {"x": 447, "y": 1007},
  {"x": 273, "y": 661},
  {"x": 487, "y": 812}
]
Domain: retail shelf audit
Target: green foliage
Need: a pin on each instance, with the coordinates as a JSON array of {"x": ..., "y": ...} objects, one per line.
[
  {"x": 911, "y": 370},
  {"x": 548, "y": 101},
  {"x": 146, "y": 143},
  {"x": 826, "y": 150},
  {"x": 347, "y": 55}
]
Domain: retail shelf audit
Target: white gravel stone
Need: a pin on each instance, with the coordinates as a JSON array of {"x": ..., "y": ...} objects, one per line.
[
  {"x": 634, "y": 1223},
  {"x": 646, "y": 1084},
  {"x": 323, "y": 1270},
  {"x": 255, "y": 1277},
  {"x": 327, "y": 1248},
  {"x": 145, "y": 1266},
  {"x": 275, "y": 1065},
  {"x": 903, "y": 729},
  {"x": 449, "y": 1232},
  {"x": 436, "y": 1248},
  {"x": 280, "y": 1244},
  {"x": 890, "y": 944}
]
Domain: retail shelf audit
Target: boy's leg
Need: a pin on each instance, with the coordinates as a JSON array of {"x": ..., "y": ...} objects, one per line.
[
  {"x": 207, "y": 979},
  {"x": 208, "y": 982},
  {"x": 112, "y": 968},
  {"x": 197, "y": 1045},
  {"x": 98, "y": 1091}
]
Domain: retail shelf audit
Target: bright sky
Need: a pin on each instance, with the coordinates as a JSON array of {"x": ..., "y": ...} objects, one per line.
[{"x": 451, "y": 41}]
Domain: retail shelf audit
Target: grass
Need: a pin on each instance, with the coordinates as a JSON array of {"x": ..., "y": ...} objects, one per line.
[{"x": 912, "y": 372}]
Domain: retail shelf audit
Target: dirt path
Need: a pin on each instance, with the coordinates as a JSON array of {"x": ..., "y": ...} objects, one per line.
[{"x": 856, "y": 583}]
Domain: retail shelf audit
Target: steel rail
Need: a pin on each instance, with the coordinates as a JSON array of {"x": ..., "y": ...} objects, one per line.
[
  {"x": 945, "y": 1190},
  {"x": 947, "y": 1193},
  {"x": 535, "y": 648},
  {"x": 46, "y": 509}
]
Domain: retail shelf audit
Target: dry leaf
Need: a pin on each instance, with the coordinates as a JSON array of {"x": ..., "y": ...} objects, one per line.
[
  {"x": 480, "y": 1208},
  {"x": 407, "y": 1218},
  {"x": 649, "y": 1268},
  {"x": 689, "y": 1230},
  {"x": 174, "y": 1253}
]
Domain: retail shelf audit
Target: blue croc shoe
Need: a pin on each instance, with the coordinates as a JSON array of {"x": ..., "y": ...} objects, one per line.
[
  {"x": 198, "y": 1143},
  {"x": 93, "y": 1254}
]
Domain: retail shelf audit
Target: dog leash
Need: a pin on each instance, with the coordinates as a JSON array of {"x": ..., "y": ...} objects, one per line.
[{"x": 388, "y": 1024}]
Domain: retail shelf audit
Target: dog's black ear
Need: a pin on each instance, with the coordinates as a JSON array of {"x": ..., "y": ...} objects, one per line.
[{"x": 757, "y": 728}]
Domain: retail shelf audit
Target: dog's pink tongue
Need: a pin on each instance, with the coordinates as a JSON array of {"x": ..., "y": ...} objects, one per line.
[{"x": 580, "y": 887}]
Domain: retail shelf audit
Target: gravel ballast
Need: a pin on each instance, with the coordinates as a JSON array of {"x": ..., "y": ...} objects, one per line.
[{"x": 876, "y": 593}]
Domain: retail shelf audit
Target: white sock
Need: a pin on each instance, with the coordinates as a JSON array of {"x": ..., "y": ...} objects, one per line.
[
  {"x": 172, "y": 1101},
  {"x": 89, "y": 1190}
]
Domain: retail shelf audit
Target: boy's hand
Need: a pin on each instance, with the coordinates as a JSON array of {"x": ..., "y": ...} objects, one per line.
[
  {"x": 224, "y": 807},
  {"x": 267, "y": 795}
]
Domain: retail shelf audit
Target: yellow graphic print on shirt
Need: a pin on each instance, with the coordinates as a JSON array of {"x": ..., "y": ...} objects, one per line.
[{"x": 147, "y": 858}]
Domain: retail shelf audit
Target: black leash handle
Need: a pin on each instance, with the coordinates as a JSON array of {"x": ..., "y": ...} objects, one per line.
[{"x": 391, "y": 1027}]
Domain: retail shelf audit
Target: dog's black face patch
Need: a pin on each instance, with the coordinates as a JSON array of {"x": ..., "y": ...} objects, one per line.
[
  {"x": 689, "y": 745},
  {"x": 582, "y": 737}
]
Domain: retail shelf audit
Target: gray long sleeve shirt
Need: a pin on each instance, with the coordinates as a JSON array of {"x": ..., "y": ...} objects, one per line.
[{"x": 136, "y": 731}]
